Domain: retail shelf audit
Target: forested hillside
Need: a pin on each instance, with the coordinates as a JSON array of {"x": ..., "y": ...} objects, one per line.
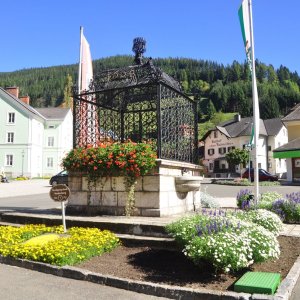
[{"x": 215, "y": 86}]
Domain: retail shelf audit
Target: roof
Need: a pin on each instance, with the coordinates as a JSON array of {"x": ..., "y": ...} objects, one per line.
[
  {"x": 223, "y": 130},
  {"x": 292, "y": 145},
  {"x": 293, "y": 115},
  {"x": 55, "y": 113},
  {"x": 6, "y": 95},
  {"x": 242, "y": 127},
  {"x": 273, "y": 126},
  {"x": 133, "y": 76}
]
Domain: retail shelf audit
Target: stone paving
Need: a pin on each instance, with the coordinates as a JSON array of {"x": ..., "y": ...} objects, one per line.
[{"x": 291, "y": 230}]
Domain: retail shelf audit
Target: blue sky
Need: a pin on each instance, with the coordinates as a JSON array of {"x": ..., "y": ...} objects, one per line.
[{"x": 42, "y": 33}]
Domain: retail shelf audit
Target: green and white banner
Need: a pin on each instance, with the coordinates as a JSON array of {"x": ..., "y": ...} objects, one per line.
[{"x": 245, "y": 27}]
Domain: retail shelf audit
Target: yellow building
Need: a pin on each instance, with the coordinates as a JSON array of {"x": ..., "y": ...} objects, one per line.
[{"x": 291, "y": 150}]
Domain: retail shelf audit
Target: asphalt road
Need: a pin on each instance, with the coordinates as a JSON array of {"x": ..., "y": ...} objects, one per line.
[
  {"x": 22, "y": 284},
  {"x": 26, "y": 195},
  {"x": 220, "y": 191},
  {"x": 34, "y": 194}
]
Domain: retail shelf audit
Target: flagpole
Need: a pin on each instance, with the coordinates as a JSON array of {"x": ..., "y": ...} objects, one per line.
[
  {"x": 80, "y": 61},
  {"x": 255, "y": 108}
]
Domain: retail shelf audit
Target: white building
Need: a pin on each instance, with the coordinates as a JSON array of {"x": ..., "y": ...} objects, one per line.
[
  {"x": 236, "y": 133},
  {"x": 32, "y": 141}
]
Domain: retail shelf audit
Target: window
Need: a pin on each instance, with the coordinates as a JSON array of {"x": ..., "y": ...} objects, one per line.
[
  {"x": 211, "y": 166},
  {"x": 222, "y": 150},
  {"x": 215, "y": 134},
  {"x": 211, "y": 151},
  {"x": 49, "y": 162},
  {"x": 230, "y": 148},
  {"x": 11, "y": 118},
  {"x": 269, "y": 148},
  {"x": 223, "y": 166},
  {"x": 9, "y": 160},
  {"x": 10, "y": 137},
  {"x": 51, "y": 126},
  {"x": 50, "y": 141}
]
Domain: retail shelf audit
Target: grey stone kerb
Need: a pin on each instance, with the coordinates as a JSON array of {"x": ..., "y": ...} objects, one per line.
[{"x": 173, "y": 292}]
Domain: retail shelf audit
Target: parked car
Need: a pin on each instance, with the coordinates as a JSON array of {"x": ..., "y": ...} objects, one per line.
[
  {"x": 60, "y": 178},
  {"x": 262, "y": 174}
]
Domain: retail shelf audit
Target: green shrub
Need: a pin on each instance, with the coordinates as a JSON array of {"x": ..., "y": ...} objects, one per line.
[
  {"x": 229, "y": 241},
  {"x": 20, "y": 178},
  {"x": 264, "y": 218},
  {"x": 266, "y": 200},
  {"x": 234, "y": 249},
  {"x": 184, "y": 230}
]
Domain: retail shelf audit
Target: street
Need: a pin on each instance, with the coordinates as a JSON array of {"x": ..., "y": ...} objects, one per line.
[
  {"x": 18, "y": 283},
  {"x": 219, "y": 191},
  {"x": 34, "y": 194},
  {"x": 26, "y": 195}
]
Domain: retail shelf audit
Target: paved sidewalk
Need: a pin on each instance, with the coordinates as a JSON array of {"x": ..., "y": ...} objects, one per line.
[
  {"x": 291, "y": 230},
  {"x": 24, "y": 187},
  {"x": 119, "y": 221}
]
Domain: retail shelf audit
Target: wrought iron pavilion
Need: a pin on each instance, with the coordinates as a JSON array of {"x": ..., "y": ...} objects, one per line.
[{"x": 138, "y": 102}]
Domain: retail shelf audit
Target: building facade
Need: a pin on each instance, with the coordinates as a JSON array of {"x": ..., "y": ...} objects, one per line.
[
  {"x": 291, "y": 150},
  {"x": 32, "y": 141},
  {"x": 236, "y": 133}
]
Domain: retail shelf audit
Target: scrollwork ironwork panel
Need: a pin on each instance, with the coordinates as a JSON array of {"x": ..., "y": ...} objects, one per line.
[
  {"x": 177, "y": 126},
  {"x": 150, "y": 106}
]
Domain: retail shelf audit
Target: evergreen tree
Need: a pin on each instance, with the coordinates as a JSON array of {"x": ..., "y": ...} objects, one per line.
[
  {"x": 211, "y": 110},
  {"x": 68, "y": 94},
  {"x": 269, "y": 108},
  {"x": 228, "y": 87}
]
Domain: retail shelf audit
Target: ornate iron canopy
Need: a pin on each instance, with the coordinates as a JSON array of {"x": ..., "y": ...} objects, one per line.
[{"x": 138, "y": 102}]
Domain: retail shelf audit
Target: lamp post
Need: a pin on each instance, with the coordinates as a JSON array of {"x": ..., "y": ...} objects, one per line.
[{"x": 23, "y": 162}]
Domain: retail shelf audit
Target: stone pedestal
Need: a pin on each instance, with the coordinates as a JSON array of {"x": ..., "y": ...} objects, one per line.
[{"x": 156, "y": 194}]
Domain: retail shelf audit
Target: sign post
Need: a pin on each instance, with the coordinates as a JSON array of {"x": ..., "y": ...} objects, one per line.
[{"x": 60, "y": 193}]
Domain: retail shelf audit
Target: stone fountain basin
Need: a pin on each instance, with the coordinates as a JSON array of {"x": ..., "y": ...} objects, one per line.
[{"x": 187, "y": 183}]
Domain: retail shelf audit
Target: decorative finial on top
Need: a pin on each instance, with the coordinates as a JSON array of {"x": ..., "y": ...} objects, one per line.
[{"x": 139, "y": 47}]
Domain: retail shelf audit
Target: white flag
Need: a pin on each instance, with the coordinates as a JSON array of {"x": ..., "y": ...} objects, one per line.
[
  {"x": 245, "y": 27},
  {"x": 86, "y": 65}
]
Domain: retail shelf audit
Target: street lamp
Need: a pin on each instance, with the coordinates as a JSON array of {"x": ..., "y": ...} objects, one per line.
[{"x": 23, "y": 162}]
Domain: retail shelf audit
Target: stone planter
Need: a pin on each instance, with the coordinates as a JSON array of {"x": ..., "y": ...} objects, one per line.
[{"x": 157, "y": 194}]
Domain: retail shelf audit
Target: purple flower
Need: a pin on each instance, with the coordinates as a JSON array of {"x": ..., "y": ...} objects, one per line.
[
  {"x": 294, "y": 197},
  {"x": 278, "y": 207}
]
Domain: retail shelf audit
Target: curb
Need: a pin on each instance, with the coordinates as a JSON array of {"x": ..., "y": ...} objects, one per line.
[
  {"x": 173, "y": 292},
  {"x": 154, "y": 289},
  {"x": 152, "y": 230}
]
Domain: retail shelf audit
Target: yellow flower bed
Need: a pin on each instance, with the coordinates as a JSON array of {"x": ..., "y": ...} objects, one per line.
[
  {"x": 79, "y": 244},
  {"x": 42, "y": 239}
]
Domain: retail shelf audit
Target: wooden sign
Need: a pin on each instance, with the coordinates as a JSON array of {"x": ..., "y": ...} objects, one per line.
[{"x": 59, "y": 193}]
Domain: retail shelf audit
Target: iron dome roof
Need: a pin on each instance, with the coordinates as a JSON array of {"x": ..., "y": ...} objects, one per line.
[{"x": 132, "y": 76}]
